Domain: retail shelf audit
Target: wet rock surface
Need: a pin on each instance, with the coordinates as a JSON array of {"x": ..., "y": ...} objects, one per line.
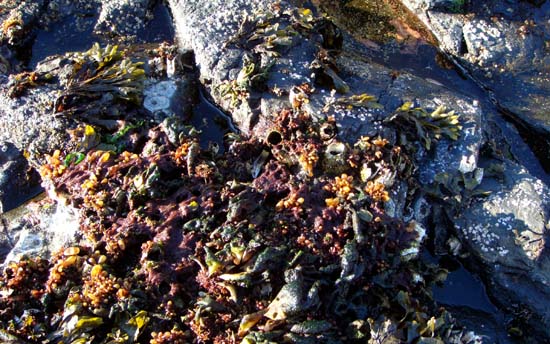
[
  {"x": 506, "y": 234},
  {"x": 18, "y": 181},
  {"x": 503, "y": 45},
  {"x": 342, "y": 150}
]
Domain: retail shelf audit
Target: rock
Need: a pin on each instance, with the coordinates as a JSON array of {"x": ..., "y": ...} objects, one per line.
[
  {"x": 506, "y": 234},
  {"x": 220, "y": 61},
  {"x": 30, "y": 124},
  {"x": 485, "y": 327},
  {"x": 122, "y": 17},
  {"x": 37, "y": 117},
  {"x": 37, "y": 229},
  {"x": 502, "y": 45},
  {"x": 18, "y": 181}
]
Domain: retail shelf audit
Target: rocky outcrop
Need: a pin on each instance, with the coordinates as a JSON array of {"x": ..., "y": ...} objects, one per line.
[
  {"x": 258, "y": 57},
  {"x": 221, "y": 59},
  {"x": 34, "y": 121},
  {"x": 503, "y": 45},
  {"x": 506, "y": 233}
]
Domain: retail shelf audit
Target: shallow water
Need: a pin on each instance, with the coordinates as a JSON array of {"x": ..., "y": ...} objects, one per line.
[
  {"x": 213, "y": 123},
  {"x": 64, "y": 38}
]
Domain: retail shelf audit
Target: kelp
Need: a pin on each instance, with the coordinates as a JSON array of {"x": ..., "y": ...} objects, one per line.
[
  {"x": 251, "y": 78},
  {"x": 416, "y": 122},
  {"x": 106, "y": 70}
]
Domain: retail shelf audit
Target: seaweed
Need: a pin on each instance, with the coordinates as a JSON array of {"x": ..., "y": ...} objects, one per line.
[
  {"x": 106, "y": 70},
  {"x": 415, "y": 122}
]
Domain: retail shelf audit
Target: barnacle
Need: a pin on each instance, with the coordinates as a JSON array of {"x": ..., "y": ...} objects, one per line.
[{"x": 335, "y": 158}]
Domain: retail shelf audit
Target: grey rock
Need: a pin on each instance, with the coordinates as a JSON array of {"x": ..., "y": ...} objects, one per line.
[
  {"x": 506, "y": 234},
  {"x": 18, "y": 181},
  {"x": 37, "y": 229},
  {"x": 503, "y": 45},
  {"x": 29, "y": 122},
  {"x": 123, "y": 17},
  {"x": 209, "y": 30}
]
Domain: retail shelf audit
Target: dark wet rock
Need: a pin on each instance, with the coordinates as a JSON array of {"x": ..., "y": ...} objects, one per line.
[
  {"x": 506, "y": 234},
  {"x": 17, "y": 180},
  {"x": 484, "y": 327},
  {"x": 503, "y": 45}
]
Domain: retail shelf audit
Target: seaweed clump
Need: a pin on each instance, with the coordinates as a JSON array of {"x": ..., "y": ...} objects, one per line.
[
  {"x": 99, "y": 77},
  {"x": 416, "y": 122},
  {"x": 279, "y": 240}
]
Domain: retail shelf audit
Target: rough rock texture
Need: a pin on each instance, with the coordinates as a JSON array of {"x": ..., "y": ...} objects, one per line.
[
  {"x": 220, "y": 61},
  {"x": 26, "y": 234},
  {"x": 30, "y": 123},
  {"x": 122, "y": 18},
  {"x": 17, "y": 180},
  {"x": 501, "y": 44},
  {"x": 507, "y": 234}
]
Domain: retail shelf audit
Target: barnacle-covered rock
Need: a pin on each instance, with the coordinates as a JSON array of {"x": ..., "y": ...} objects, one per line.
[
  {"x": 508, "y": 56},
  {"x": 102, "y": 87},
  {"x": 122, "y": 18},
  {"x": 506, "y": 232}
]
